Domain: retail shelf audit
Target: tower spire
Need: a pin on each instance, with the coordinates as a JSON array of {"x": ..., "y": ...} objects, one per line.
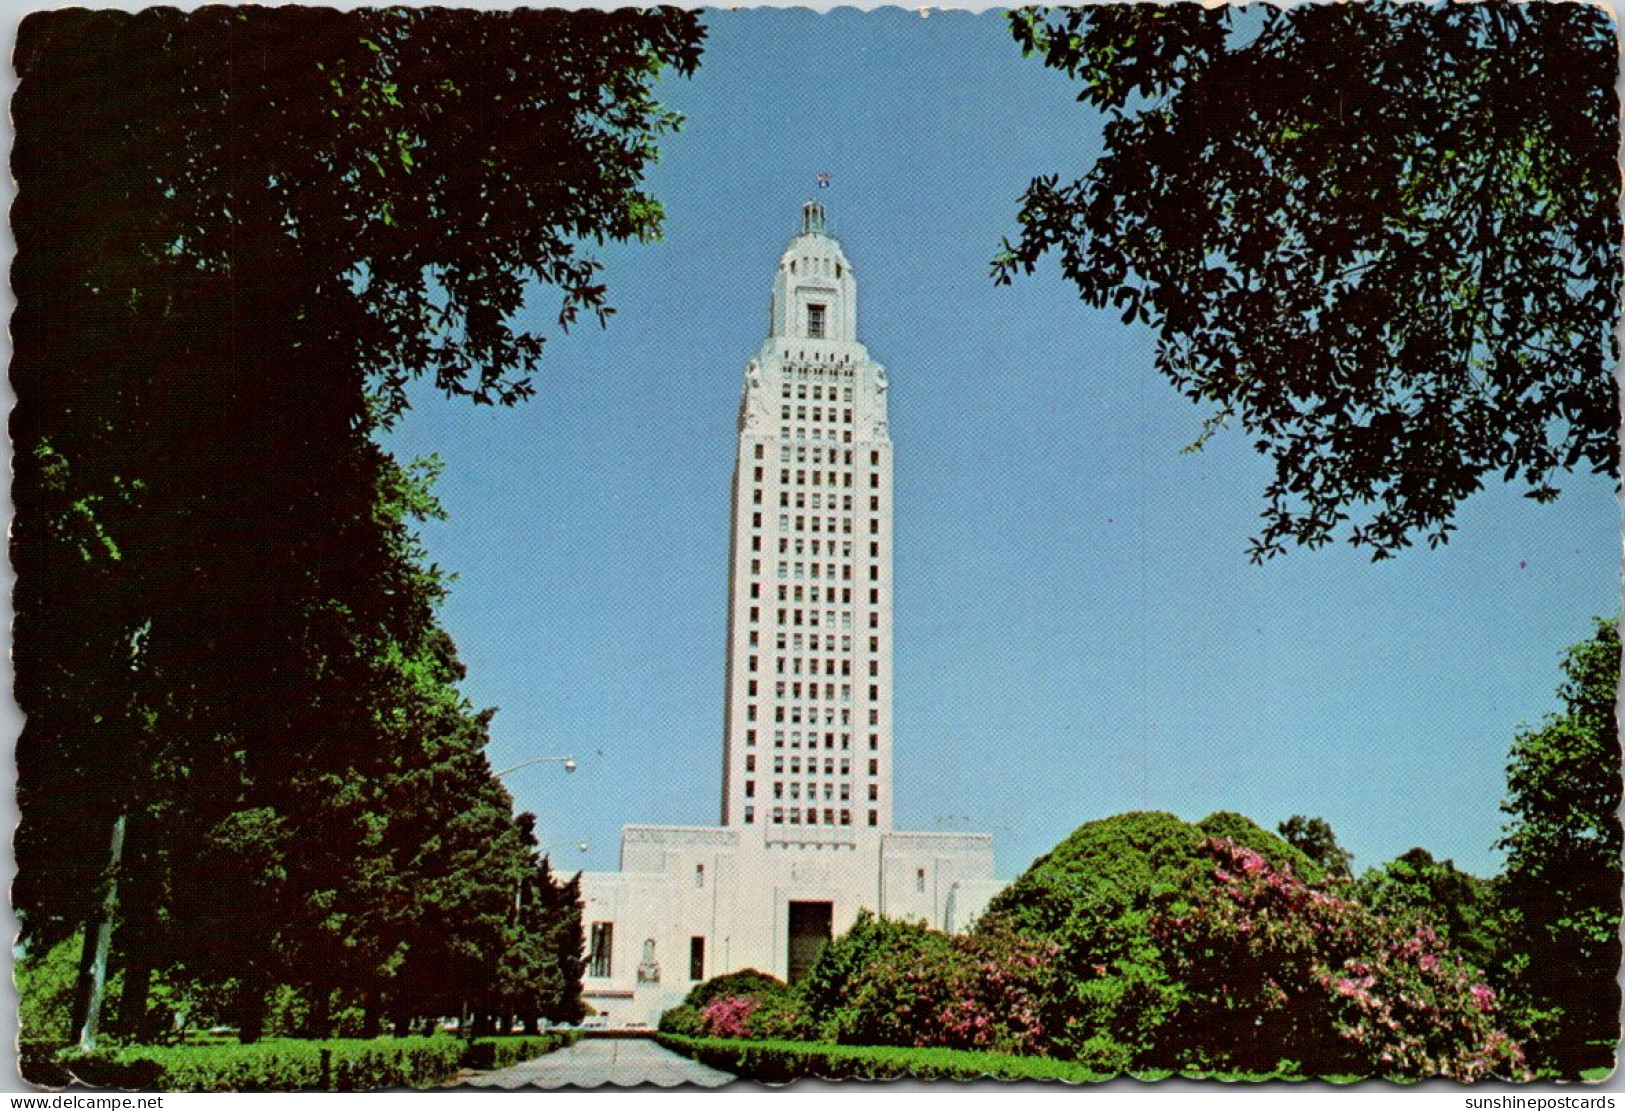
[
  {"x": 812, "y": 218},
  {"x": 807, "y": 731}
]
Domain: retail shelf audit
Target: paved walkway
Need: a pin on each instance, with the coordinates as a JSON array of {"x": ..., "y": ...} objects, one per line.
[{"x": 591, "y": 1062}]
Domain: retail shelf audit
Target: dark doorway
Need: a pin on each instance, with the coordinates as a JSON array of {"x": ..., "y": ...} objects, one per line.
[{"x": 810, "y": 930}]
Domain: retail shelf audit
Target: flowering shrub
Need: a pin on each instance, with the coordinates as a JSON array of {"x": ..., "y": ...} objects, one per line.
[
  {"x": 779, "y": 1017},
  {"x": 727, "y": 1017},
  {"x": 747, "y": 1004},
  {"x": 909, "y": 985},
  {"x": 1272, "y": 970}
]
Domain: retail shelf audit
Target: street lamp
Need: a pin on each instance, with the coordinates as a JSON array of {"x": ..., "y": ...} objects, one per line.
[{"x": 569, "y": 763}]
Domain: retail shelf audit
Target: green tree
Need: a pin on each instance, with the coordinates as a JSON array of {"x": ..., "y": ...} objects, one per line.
[
  {"x": 1459, "y": 906},
  {"x": 240, "y": 233},
  {"x": 1273, "y": 974},
  {"x": 1315, "y": 839},
  {"x": 45, "y": 985},
  {"x": 1380, "y": 237},
  {"x": 1121, "y": 862},
  {"x": 1093, "y": 896},
  {"x": 1562, "y": 883}
]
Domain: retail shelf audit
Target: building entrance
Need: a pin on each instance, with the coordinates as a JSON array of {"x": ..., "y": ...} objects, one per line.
[{"x": 810, "y": 929}]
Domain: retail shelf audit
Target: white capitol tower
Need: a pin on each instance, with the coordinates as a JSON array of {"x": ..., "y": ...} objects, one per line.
[
  {"x": 806, "y": 839},
  {"x": 807, "y": 733}
]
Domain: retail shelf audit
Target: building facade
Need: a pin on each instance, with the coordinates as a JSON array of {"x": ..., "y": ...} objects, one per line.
[
  {"x": 807, "y": 719},
  {"x": 806, "y": 838}
]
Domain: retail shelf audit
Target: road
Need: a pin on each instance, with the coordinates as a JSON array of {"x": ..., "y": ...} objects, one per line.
[{"x": 592, "y": 1062}]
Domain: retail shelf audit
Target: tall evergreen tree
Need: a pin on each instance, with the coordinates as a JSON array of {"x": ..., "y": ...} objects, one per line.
[
  {"x": 240, "y": 233},
  {"x": 1563, "y": 876}
]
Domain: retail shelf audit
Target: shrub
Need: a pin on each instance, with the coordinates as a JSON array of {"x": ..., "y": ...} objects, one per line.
[
  {"x": 781, "y": 1062},
  {"x": 726, "y": 1017},
  {"x": 274, "y": 1065},
  {"x": 745, "y": 982},
  {"x": 502, "y": 1053},
  {"x": 45, "y": 992},
  {"x": 745, "y": 1004},
  {"x": 681, "y": 1019},
  {"x": 902, "y": 984},
  {"x": 1270, "y": 969},
  {"x": 779, "y": 1018}
]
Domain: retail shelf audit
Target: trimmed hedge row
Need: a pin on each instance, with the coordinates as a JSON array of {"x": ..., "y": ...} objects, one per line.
[
  {"x": 285, "y": 1064},
  {"x": 275, "y": 1065},
  {"x": 782, "y": 1062},
  {"x": 502, "y": 1053},
  {"x": 37, "y": 1064}
]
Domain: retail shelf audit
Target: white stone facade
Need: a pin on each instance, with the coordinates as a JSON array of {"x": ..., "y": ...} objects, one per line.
[{"x": 806, "y": 838}]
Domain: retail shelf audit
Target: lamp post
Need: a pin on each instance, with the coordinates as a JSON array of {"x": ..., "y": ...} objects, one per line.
[{"x": 569, "y": 763}]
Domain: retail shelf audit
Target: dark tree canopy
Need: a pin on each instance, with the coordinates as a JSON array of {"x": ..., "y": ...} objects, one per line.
[
  {"x": 1383, "y": 238},
  {"x": 1314, "y": 838},
  {"x": 241, "y": 232}
]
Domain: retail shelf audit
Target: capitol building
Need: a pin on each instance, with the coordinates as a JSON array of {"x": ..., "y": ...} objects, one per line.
[{"x": 806, "y": 839}]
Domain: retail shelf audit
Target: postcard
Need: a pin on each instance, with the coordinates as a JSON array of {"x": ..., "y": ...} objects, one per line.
[{"x": 561, "y": 548}]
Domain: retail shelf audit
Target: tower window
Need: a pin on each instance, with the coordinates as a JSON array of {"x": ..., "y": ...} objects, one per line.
[{"x": 815, "y": 321}]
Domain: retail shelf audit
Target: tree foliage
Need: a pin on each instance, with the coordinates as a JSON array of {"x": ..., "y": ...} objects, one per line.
[
  {"x": 1144, "y": 944},
  {"x": 1093, "y": 896},
  {"x": 1269, "y": 970},
  {"x": 888, "y": 982},
  {"x": 1120, "y": 863},
  {"x": 1457, "y": 905},
  {"x": 241, "y": 232},
  {"x": 1380, "y": 237},
  {"x": 1315, "y": 839},
  {"x": 1563, "y": 875}
]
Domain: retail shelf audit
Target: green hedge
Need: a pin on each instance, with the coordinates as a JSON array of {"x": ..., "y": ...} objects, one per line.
[
  {"x": 274, "y": 1065},
  {"x": 286, "y": 1064},
  {"x": 501, "y": 1053},
  {"x": 37, "y": 1064},
  {"x": 782, "y": 1062}
]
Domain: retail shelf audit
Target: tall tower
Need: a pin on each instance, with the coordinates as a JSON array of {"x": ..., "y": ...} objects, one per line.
[
  {"x": 806, "y": 843},
  {"x": 807, "y": 733}
]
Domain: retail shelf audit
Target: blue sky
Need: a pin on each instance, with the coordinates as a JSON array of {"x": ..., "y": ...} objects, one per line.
[{"x": 1078, "y": 629}]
